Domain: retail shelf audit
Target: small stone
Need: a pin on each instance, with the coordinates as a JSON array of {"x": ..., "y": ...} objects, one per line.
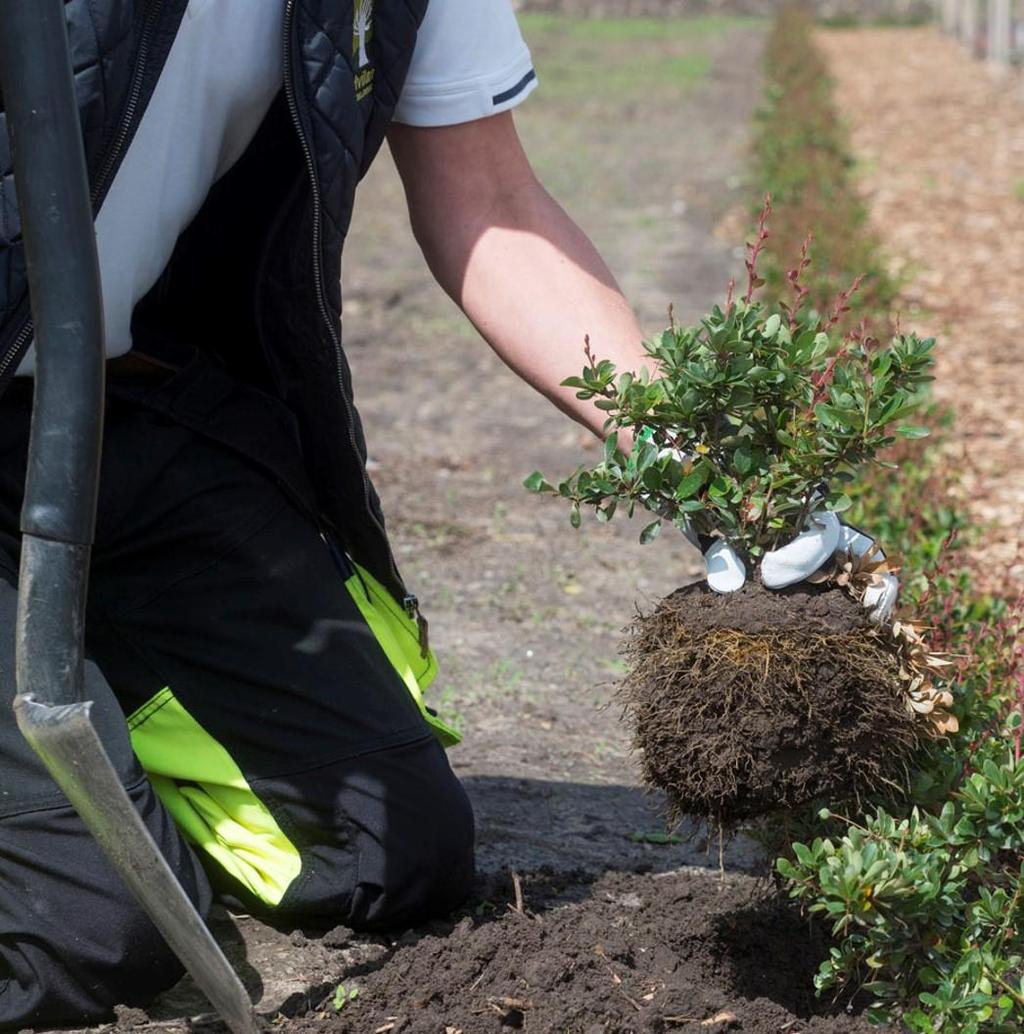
[
  {"x": 131, "y": 1016},
  {"x": 339, "y": 937}
]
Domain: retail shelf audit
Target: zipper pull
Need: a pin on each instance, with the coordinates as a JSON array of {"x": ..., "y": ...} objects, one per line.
[{"x": 412, "y": 608}]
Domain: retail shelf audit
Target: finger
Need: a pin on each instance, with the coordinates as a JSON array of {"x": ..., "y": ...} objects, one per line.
[
  {"x": 854, "y": 540},
  {"x": 726, "y": 571},
  {"x": 804, "y": 555},
  {"x": 879, "y": 600}
]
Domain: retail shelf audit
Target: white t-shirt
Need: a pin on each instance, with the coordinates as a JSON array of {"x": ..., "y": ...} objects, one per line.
[{"x": 470, "y": 61}]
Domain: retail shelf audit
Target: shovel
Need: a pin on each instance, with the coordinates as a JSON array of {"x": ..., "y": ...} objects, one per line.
[{"x": 59, "y": 513}]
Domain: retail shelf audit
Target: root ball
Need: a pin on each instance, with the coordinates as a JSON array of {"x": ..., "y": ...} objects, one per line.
[{"x": 758, "y": 701}]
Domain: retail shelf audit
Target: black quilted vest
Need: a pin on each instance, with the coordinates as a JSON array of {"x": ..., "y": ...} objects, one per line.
[{"x": 254, "y": 280}]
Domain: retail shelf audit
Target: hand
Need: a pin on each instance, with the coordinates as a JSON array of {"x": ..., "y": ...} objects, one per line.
[
  {"x": 800, "y": 559},
  {"x": 803, "y": 557}
]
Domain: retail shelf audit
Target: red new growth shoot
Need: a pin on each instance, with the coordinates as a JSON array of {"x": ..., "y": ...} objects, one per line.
[{"x": 754, "y": 249}]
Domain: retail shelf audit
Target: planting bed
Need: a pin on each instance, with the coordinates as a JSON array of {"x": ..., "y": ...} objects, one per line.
[
  {"x": 639, "y": 953},
  {"x": 569, "y": 953}
]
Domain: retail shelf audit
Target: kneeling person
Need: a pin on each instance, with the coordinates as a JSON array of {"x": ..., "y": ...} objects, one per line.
[{"x": 255, "y": 658}]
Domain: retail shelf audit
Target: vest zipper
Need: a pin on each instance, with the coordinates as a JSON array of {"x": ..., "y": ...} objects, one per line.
[
  {"x": 131, "y": 105},
  {"x": 409, "y": 602},
  {"x": 23, "y": 335},
  {"x": 113, "y": 154}
]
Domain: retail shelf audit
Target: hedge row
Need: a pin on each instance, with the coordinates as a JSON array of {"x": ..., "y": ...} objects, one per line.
[{"x": 924, "y": 893}]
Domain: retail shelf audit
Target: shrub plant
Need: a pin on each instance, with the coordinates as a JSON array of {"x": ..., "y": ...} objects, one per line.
[
  {"x": 746, "y": 424},
  {"x": 748, "y": 419}
]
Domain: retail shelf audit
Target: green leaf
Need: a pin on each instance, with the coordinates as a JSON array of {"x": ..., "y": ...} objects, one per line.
[
  {"x": 912, "y": 432},
  {"x": 693, "y": 482},
  {"x": 605, "y": 513},
  {"x": 611, "y": 448},
  {"x": 839, "y": 502},
  {"x": 652, "y": 479},
  {"x": 804, "y": 855},
  {"x": 536, "y": 483},
  {"x": 343, "y": 995},
  {"x": 574, "y": 515},
  {"x": 650, "y": 533}
]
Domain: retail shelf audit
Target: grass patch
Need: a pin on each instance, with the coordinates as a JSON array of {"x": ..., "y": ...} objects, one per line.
[
  {"x": 630, "y": 30},
  {"x": 603, "y": 60},
  {"x": 665, "y": 75}
]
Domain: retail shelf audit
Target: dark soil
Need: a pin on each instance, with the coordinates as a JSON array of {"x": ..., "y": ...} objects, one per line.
[
  {"x": 756, "y": 611},
  {"x": 759, "y": 701},
  {"x": 639, "y": 953}
]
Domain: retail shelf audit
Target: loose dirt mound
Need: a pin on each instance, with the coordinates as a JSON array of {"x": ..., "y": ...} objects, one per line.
[
  {"x": 676, "y": 952},
  {"x": 757, "y": 701}
]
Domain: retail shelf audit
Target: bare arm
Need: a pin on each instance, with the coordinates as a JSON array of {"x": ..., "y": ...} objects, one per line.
[{"x": 523, "y": 272}]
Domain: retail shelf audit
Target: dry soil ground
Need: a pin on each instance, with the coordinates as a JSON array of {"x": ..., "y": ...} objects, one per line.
[{"x": 640, "y": 129}]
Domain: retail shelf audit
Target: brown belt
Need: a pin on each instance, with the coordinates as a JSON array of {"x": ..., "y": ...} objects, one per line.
[{"x": 136, "y": 367}]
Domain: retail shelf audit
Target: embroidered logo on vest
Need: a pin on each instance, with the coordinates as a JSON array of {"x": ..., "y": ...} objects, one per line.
[{"x": 362, "y": 33}]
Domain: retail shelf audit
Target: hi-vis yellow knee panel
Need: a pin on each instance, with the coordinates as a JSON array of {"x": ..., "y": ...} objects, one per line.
[
  {"x": 399, "y": 638},
  {"x": 209, "y": 799},
  {"x": 202, "y": 787}
]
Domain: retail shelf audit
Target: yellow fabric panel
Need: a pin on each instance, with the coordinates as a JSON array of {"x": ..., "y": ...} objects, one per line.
[
  {"x": 208, "y": 797},
  {"x": 388, "y": 612},
  {"x": 399, "y": 638}
]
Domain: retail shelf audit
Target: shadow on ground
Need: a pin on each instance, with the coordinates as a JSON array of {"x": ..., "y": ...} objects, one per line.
[{"x": 529, "y": 824}]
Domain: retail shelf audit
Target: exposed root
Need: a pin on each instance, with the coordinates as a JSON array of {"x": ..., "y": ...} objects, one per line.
[{"x": 734, "y": 723}]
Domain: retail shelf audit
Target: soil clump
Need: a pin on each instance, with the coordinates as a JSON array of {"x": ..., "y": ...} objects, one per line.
[{"x": 760, "y": 700}]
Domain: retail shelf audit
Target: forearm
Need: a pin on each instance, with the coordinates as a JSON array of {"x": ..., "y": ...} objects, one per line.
[
  {"x": 521, "y": 269},
  {"x": 535, "y": 287}
]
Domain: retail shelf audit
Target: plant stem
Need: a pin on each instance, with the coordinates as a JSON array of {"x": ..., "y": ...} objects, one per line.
[{"x": 1015, "y": 995}]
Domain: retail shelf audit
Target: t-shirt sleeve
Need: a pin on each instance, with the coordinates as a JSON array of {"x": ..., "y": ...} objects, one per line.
[{"x": 470, "y": 61}]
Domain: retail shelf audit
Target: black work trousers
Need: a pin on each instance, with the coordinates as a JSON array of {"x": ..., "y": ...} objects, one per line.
[{"x": 270, "y": 744}]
